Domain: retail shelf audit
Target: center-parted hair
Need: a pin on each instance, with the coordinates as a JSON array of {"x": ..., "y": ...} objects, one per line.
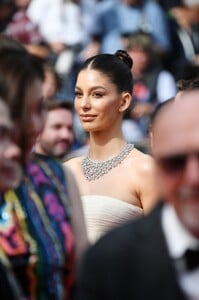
[{"x": 117, "y": 67}]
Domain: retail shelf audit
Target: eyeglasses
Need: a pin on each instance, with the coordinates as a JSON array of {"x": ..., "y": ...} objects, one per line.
[{"x": 175, "y": 163}]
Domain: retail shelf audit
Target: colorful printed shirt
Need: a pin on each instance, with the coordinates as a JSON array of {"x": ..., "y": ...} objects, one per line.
[{"x": 35, "y": 231}]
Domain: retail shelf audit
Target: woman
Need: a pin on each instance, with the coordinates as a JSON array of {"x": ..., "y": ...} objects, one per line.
[
  {"x": 115, "y": 180},
  {"x": 37, "y": 238}
]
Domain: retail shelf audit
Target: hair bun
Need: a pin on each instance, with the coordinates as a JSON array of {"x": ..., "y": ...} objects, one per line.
[{"x": 124, "y": 56}]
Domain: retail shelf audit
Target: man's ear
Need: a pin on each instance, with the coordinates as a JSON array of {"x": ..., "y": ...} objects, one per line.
[{"x": 125, "y": 101}]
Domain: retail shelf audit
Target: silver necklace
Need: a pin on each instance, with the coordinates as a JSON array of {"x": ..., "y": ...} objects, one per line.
[{"x": 93, "y": 169}]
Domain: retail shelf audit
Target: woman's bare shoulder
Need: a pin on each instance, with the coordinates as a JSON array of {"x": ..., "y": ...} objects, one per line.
[
  {"x": 144, "y": 179},
  {"x": 141, "y": 161}
]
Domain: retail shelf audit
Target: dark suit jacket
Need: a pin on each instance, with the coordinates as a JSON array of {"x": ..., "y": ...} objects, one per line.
[
  {"x": 130, "y": 263},
  {"x": 9, "y": 289}
]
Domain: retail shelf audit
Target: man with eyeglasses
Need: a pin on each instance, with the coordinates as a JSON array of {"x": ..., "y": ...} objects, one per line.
[{"x": 155, "y": 257}]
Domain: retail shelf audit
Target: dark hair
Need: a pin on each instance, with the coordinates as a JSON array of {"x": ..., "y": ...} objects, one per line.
[
  {"x": 117, "y": 67},
  {"x": 187, "y": 72},
  {"x": 188, "y": 84},
  {"x": 141, "y": 40},
  {"x": 53, "y": 103},
  {"x": 7, "y": 42},
  {"x": 18, "y": 69}
]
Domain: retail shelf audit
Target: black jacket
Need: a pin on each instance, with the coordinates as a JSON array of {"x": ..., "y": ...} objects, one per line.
[{"x": 130, "y": 263}]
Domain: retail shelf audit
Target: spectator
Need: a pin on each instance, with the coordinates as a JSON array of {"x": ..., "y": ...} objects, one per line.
[
  {"x": 183, "y": 17},
  {"x": 52, "y": 82},
  {"x": 57, "y": 137},
  {"x": 6, "y": 11},
  {"x": 21, "y": 28},
  {"x": 152, "y": 84},
  {"x": 115, "y": 19},
  {"x": 65, "y": 25}
]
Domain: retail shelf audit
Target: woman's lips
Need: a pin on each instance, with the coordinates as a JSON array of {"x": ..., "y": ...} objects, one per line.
[{"x": 87, "y": 117}]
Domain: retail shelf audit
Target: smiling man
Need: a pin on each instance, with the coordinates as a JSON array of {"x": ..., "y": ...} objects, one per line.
[{"x": 57, "y": 136}]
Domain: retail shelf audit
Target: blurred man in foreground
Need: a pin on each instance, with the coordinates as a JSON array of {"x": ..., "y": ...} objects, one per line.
[{"x": 10, "y": 171}]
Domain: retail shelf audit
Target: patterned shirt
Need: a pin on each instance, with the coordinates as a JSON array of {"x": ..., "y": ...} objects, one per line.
[{"x": 35, "y": 231}]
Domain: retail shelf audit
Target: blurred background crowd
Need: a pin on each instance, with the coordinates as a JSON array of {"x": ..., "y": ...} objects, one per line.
[{"x": 161, "y": 36}]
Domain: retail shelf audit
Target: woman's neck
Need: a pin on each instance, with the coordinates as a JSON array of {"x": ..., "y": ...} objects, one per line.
[{"x": 103, "y": 150}]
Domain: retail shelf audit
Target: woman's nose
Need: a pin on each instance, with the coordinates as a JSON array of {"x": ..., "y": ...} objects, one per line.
[{"x": 85, "y": 102}]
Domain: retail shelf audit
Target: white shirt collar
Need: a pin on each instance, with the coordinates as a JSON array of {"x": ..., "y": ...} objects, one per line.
[{"x": 178, "y": 238}]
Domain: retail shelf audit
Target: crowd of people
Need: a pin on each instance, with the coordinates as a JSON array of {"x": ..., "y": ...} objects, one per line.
[
  {"x": 64, "y": 33},
  {"x": 99, "y": 149}
]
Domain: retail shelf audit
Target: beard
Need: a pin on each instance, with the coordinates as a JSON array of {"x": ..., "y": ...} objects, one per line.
[{"x": 57, "y": 150}]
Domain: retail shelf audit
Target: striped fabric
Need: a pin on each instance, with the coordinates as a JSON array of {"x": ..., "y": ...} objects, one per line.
[{"x": 35, "y": 232}]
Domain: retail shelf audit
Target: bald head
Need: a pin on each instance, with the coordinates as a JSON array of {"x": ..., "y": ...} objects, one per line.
[
  {"x": 175, "y": 135},
  {"x": 176, "y": 126}
]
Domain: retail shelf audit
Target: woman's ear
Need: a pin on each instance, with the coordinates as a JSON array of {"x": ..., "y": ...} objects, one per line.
[{"x": 125, "y": 101}]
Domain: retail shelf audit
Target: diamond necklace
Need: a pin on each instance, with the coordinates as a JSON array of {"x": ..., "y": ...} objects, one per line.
[{"x": 93, "y": 170}]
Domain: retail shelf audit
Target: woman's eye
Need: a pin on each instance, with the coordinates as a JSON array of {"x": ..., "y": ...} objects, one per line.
[
  {"x": 78, "y": 94},
  {"x": 97, "y": 95}
]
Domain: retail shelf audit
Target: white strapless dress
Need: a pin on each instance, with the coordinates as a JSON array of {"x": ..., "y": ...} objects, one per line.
[{"x": 103, "y": 213}]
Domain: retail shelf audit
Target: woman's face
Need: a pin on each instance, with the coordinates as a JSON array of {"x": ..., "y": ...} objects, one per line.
[
  {"x": 34, "y": 116},
  {"x": 97, "y": 101}
]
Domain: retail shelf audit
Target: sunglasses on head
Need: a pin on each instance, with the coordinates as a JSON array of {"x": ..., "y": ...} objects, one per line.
[{"x": 176, "y": 162}]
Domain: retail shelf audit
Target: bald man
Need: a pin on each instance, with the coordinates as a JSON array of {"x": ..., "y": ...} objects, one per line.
[{"x": 151, "y": 258}]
